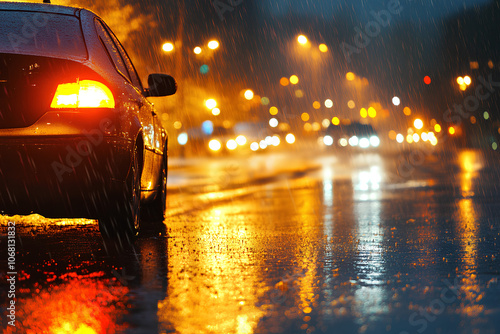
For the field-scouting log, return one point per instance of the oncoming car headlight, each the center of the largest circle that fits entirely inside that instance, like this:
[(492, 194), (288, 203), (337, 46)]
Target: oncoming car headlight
[(214, 145), (374, 141)]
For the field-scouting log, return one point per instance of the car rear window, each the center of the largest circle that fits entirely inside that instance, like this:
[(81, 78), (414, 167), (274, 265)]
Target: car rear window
[(42, 34)]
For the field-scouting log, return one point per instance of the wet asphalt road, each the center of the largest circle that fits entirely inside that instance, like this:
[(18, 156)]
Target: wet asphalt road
[(280, 244)]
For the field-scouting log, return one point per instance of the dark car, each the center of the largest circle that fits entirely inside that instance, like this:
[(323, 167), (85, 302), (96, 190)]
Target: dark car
[(78, 137)]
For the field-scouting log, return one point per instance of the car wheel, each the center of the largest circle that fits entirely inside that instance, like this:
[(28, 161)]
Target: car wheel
[(156, 209), (122, 222)]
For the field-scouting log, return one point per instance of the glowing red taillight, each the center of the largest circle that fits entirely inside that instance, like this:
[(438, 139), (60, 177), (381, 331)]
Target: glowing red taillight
[(83, 94)]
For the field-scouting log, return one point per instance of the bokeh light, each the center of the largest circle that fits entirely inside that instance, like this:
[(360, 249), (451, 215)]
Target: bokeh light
[(211, 103), (168, 47), (273, 122), (204, 69), (214, 145), (213, 44), (182, 139), (372, 113), (231, 144), (241, 140), (302, 39), (248, 94), (418, 124)]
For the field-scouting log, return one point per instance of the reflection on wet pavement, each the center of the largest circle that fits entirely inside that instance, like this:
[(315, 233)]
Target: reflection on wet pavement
[(344, 249)]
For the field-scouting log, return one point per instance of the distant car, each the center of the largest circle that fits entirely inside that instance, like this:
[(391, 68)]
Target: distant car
[(221, 141), (78, 138), (354, 134)]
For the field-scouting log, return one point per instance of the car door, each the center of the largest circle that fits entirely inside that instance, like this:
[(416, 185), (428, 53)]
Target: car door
[(144, 108), (151, 126)]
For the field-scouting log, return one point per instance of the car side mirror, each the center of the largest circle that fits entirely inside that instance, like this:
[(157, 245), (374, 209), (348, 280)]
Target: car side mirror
[(161, 85)]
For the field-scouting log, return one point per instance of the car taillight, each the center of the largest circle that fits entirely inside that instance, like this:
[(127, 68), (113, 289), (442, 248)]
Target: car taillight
[(83, 94)]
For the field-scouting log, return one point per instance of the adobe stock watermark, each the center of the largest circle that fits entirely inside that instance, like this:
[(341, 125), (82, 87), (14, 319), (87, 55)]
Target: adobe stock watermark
[(420, 319), (372, 29), (31, 26), (453, 116), (75, 154), (11, 273), (223, 6)]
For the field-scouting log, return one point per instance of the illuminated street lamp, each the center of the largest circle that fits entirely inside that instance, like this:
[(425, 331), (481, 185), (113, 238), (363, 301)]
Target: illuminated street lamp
[(248, 94), (213, 44), (302, 40), (294, 79), (211, 103), (168, 47), (350, 76), (418, 124)]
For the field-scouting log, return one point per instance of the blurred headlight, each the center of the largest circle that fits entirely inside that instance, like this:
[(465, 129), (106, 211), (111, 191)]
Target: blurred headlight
[(328, 140), (364, 143), (241, 140), (263, 144), (290, 138), (254, 146), (400, 138), (276, 140), (214, 145), (231, 144), (343, 142), (374, 141), (353, 141), (182, 139)]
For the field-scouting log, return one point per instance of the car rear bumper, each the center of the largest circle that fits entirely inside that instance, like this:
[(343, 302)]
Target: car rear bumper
[(62, 176)]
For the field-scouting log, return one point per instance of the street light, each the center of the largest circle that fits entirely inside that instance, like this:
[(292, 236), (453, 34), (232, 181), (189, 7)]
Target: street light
[(418, 124), (302, 40), (248, 94), (197, 50), (168, 47), (213, 44), (210, 104)]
